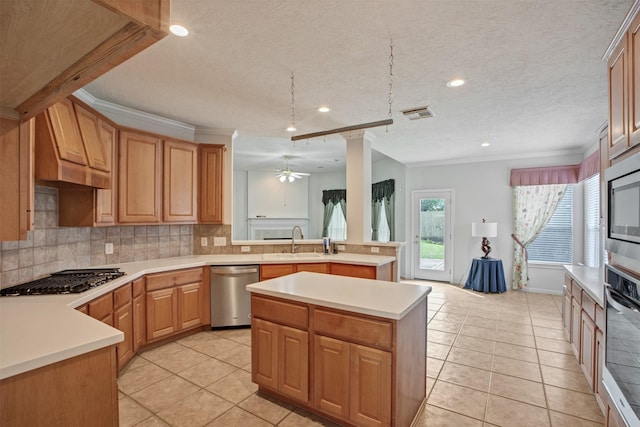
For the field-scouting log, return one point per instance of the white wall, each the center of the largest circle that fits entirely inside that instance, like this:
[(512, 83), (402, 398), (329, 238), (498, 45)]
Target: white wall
[(268, 197), (482, 191)]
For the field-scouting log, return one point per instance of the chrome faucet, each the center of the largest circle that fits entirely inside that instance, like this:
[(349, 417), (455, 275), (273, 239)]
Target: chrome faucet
[(293, 238)]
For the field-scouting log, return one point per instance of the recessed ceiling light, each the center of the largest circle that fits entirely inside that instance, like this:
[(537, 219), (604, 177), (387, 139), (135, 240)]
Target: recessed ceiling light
[(485, 144), (455, 82), (179, 30), (324, 109), (291, 128)]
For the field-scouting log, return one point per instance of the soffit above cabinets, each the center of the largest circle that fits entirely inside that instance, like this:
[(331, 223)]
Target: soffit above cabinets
[(51, 48)]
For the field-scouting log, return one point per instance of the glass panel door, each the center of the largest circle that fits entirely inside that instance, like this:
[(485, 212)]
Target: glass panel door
[(431, 229)]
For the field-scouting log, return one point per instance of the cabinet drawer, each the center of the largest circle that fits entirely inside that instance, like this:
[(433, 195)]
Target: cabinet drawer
[(174, 278), (122, 296), (576, 291), (270, 271), (315, 267), (138, 287), (589, 306), (101, 307), (363, 271), (281, 312), (353, 329)]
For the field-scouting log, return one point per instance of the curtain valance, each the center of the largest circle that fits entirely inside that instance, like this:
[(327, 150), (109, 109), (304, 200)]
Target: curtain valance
[(333, 196), (570, 174), (589, 166), (382, 190)]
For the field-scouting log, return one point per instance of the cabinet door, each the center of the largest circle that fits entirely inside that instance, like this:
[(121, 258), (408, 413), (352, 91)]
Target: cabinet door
[(16, 176), (139, 322), (618, 129), (264, 354), (598, 388), (587, 347), (331, 376), (123, 320), (139, 178), (162, 313), (634, 81), (189, 305), (97, 155), (210, 191), (106, 199), (180, 187), (614, 419), (293, 363), (566, 315), (370, 385), (576, 310), (66, 132), (363, 271)]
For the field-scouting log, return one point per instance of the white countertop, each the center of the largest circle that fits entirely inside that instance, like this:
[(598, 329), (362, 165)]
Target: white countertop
[(390, 300), (36, 331), (590, 279)]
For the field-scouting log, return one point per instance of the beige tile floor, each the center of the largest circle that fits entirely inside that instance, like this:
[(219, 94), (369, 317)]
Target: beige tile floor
[(493, 360)]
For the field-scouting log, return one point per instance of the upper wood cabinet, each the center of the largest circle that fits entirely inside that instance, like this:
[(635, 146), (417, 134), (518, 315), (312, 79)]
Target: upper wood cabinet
[(106, 200), (139, 178), (210, 193), (69, 148), (16, 176), (624, 92), (180, 181), (59, 47)]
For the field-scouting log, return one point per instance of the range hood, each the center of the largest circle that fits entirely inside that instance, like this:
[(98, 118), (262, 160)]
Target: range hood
[(69, 147)]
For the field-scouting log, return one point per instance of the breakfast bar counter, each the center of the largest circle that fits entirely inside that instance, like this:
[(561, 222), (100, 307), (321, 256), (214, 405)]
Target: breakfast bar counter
[(352, 350)]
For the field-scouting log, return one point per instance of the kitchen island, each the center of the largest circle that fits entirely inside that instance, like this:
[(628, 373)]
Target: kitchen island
[(352, 350)]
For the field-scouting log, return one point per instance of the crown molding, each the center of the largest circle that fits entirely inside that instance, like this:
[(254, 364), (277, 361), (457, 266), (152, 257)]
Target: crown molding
[(635, 7), (131, 117), (496, 158)]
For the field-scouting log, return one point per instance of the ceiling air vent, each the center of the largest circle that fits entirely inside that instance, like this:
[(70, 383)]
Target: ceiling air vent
[(418, 113)]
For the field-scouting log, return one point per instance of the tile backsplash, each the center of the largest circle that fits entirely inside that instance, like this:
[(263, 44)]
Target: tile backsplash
[(50, 248)]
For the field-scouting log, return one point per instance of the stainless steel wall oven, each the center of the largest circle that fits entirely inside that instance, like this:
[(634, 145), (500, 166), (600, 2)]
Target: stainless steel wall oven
[(621, 371)]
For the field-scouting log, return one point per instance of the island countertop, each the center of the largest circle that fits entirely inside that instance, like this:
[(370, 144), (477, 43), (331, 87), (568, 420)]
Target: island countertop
[(389, 300)]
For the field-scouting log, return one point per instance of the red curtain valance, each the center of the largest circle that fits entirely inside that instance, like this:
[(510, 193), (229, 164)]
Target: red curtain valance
[(570, 174)]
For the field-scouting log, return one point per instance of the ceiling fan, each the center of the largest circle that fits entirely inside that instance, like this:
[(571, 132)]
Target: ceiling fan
[(287, 174)]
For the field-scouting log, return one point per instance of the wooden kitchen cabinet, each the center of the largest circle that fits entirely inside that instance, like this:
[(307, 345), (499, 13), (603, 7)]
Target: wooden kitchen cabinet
[(331, 375), (16, 176), (89, 125), (102, 308), (370, 386), (175, 302), (139, 178), (139, 314), (383, 272), (587, 347), (566, 311), (282, 360), (271, 271), (316, 267), (210, 173), (618, 103), (598, 387), (180, 182), (633, 61), (576, 312), (123, 320)]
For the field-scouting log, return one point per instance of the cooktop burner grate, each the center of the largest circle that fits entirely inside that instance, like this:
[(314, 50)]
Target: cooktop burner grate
[(65, 282)]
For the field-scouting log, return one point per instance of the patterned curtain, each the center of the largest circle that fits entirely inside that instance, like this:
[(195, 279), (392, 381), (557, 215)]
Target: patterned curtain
[(533, 207), (382, 196), (331, 199)]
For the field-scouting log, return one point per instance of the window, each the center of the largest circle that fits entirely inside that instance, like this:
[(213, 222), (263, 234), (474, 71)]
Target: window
[(592, 221), (384, 234), (337, 229), (555, 242)]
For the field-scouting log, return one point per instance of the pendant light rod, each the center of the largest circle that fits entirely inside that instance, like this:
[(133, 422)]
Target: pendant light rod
[(344, 129)]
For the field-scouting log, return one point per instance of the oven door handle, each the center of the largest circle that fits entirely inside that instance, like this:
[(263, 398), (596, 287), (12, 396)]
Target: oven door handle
[(613, 298)]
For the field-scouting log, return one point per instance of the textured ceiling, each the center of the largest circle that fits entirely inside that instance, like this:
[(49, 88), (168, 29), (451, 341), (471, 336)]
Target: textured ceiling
[(535, 79)]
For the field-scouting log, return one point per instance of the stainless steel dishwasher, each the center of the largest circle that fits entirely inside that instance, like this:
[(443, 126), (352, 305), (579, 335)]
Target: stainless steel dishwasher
[(230, 301)]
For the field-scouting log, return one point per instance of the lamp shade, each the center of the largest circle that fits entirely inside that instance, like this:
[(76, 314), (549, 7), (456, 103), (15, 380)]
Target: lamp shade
[(484, 229)]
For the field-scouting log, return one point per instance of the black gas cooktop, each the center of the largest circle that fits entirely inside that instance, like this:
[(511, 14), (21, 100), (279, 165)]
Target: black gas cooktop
[(65, 282)]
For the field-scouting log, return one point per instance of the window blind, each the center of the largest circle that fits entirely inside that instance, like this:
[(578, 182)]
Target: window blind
[(555, 242), (592, 221)]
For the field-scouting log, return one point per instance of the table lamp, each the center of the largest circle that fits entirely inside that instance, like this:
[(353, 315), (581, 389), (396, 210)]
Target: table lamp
[(484, 229)]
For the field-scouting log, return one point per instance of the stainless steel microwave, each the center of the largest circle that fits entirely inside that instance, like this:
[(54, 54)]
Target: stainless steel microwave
[(623, 223)]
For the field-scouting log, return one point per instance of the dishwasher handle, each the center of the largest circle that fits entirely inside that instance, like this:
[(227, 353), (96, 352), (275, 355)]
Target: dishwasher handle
[(233, 271)]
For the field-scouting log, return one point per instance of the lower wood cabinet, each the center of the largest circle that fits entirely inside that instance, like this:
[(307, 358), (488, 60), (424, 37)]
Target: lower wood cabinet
[(123, 320), (576, 311), (282, 359), (175, 301), (352, 381), (587, 347), (102, 309), (383, 272), (138, 306)]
